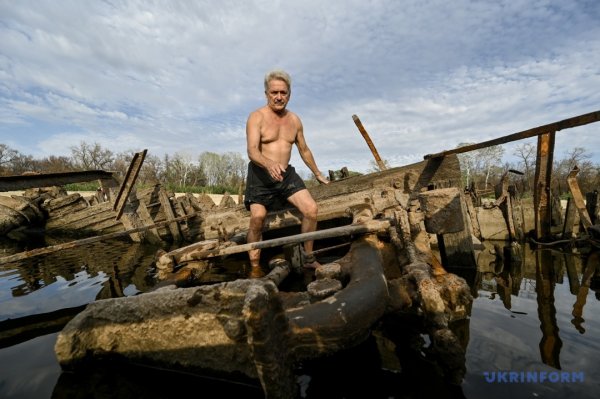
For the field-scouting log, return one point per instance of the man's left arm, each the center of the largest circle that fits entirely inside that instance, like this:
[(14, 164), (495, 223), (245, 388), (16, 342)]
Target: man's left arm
[(307, 156)]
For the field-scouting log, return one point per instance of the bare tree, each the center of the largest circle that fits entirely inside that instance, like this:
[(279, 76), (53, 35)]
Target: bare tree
[(55, 164), (488, 159), (7, 157), (526, 153), (467, 163), (92, 156), (24, 163)]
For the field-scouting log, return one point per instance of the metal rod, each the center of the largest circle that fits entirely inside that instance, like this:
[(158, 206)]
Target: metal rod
[(359, 228), (536, 131)]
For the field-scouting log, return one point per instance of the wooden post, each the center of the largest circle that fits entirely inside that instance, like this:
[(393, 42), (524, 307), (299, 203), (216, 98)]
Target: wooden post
[(129, 182), (578, 198), (543, 177), (369, 142), (169, 214), (570, 213)]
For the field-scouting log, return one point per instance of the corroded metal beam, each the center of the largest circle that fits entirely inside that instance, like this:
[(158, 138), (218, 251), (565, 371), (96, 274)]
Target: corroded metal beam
[(536, 131), (23, 182)]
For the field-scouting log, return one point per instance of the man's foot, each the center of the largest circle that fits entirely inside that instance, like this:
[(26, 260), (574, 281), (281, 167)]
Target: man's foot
[(256, 272), (310, 261), (311, 265)]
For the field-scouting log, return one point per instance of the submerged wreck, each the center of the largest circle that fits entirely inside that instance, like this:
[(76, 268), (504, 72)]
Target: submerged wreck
[(404, 229), (249, 328)]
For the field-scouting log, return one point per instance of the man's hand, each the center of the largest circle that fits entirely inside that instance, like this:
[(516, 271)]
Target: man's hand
[(321, 179), (276, 170)]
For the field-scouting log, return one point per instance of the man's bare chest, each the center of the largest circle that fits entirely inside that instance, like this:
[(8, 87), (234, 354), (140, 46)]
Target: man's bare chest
[(285, 132)]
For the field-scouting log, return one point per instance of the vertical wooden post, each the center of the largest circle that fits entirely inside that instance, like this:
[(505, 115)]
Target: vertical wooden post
[(169, 214), (570, 213), (365, 135), (584, 216), (543, 176)]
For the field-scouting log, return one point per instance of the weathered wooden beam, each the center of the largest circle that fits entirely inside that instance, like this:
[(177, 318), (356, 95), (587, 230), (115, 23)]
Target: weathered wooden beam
[(536, 131), (169, 214), (578, 198), (569, 223), (129, 182), (23, 182), (367, 138), (543, 177), (84, 241)]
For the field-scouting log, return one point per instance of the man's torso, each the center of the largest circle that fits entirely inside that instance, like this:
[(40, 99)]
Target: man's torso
[(278, 135)]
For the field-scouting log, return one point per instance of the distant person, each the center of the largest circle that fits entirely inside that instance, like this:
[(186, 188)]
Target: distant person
[(271, 131)]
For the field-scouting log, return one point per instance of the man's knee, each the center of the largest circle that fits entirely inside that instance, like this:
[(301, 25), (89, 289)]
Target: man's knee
[(310, 210), (257, 220)]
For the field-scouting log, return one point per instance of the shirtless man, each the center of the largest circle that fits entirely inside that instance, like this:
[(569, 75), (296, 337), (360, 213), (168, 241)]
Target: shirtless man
[(271, 131)]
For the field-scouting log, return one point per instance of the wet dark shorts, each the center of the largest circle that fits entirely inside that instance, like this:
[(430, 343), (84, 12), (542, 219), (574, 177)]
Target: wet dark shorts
[(262, 189)]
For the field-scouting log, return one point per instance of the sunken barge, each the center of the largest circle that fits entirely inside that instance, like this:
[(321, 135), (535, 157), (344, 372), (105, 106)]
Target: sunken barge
[(391, 221)]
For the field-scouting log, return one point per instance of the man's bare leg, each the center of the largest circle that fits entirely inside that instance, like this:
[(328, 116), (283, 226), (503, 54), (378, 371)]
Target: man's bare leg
[(309, 208), (257, 218)]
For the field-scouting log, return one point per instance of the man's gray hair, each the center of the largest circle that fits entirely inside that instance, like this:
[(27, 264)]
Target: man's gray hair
[(279, 75)]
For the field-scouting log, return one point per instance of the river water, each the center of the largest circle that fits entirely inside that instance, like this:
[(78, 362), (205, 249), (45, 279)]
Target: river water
[(533, 332)]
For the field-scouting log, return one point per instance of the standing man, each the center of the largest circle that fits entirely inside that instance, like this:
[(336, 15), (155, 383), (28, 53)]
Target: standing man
[(271, 131)]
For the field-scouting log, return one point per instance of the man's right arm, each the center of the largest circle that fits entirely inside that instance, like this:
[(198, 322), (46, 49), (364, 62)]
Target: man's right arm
[(253, 126)]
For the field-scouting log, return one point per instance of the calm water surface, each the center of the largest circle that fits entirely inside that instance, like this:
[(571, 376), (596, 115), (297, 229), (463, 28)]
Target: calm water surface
[(537, 317)]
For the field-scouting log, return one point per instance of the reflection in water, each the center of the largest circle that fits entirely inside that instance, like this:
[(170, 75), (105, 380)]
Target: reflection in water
[(513, 271), (41, 294), (545, 281), (591, 272)]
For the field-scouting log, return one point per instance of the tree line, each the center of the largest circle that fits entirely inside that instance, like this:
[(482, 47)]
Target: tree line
[(208, 172), (484, 168), (217, 173)]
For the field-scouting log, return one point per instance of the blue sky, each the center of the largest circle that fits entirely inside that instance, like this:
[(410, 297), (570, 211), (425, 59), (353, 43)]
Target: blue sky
[(182, 76)]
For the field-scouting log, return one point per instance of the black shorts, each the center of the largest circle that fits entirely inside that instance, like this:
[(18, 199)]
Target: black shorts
[(262, 189)]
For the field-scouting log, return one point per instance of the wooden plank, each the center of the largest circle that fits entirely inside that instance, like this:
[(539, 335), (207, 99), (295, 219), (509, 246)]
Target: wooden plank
[(570, 212), (129, 182), (543, 177), (82, 217), (170, 216), (152, 233), (23, 182), (456, 249), (578, 199), (536, 131)]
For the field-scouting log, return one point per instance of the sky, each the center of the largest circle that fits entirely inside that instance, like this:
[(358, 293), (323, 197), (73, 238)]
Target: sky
[(183, 76)]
